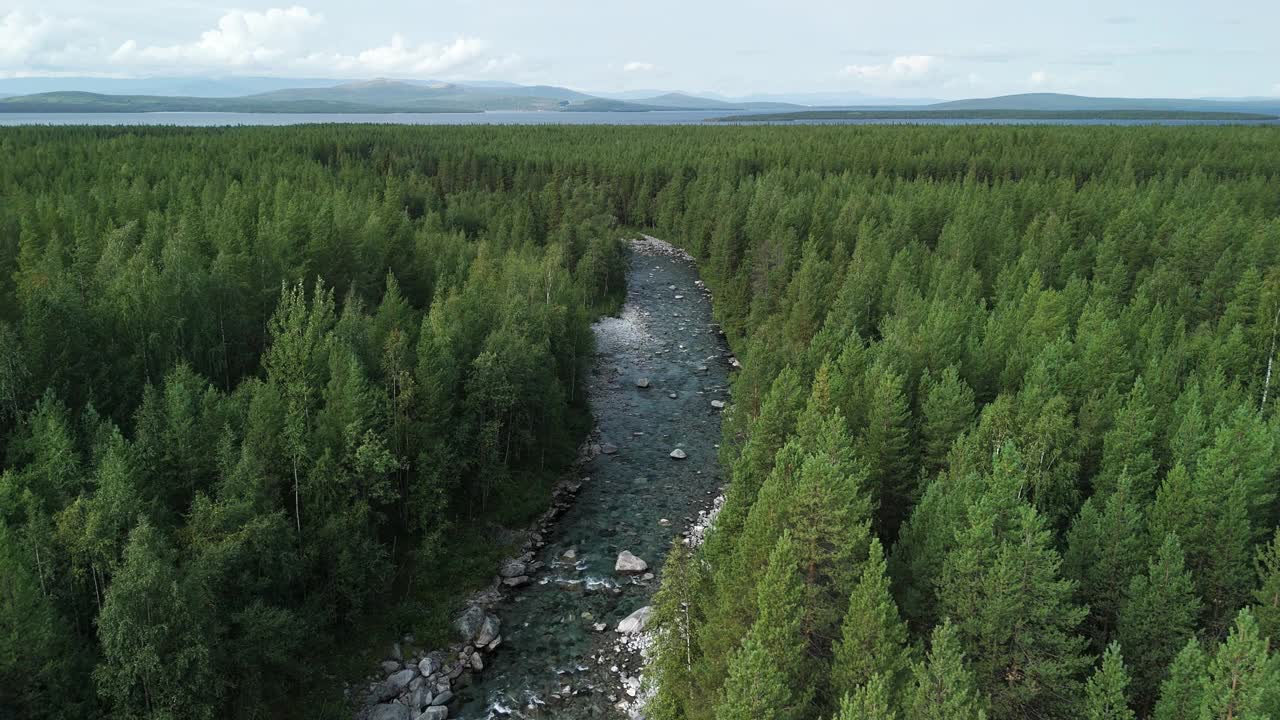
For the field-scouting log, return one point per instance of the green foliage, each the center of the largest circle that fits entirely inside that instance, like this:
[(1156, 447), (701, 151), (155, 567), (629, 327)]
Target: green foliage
[(1158, 617), (1106, 692), (1183, 691), (943, 687), (873, 638)]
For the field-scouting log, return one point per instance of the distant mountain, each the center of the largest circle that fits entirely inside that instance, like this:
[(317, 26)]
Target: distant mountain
[(83, 102), (179, 86), (1062, 102)]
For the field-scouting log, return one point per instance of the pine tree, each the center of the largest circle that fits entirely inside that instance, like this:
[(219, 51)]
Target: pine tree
[(948, 411), (1238, 675), (870, 701), (1128, 447), (886, 446), (1105, 548), (767, 674), (1105, 692), (1013, 612), (1158, 617), (674, 625), (873, 637), (1267, 596), (943, 687), (1183, 690)]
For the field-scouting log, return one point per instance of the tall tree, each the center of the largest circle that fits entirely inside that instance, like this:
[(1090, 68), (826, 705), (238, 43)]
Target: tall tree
[(1106, 691), (943, 687), (873, 638)]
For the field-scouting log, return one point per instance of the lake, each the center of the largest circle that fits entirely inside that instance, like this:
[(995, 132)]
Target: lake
[(666, 117)]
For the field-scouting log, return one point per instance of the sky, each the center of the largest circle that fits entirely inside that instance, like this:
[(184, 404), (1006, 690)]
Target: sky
[(905, 48)]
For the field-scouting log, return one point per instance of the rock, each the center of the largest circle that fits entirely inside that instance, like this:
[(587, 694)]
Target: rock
[(679, 454), (494, 645), (489, 630), (673, 396), (420, 699), (608, 448), (636, 621), (629, 563), (389, 666), (511, 568), (515, 582), (599, 627), (396, 653), (429, 666), (389, 711), (571, 554), (642, 382), (477, 662), (664, 522), (442, 698), (434, 713), (717, 404), (469, 622), (400, 681)]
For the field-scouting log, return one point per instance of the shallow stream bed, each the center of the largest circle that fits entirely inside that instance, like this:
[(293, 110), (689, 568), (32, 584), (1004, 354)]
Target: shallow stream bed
[(554, 660)]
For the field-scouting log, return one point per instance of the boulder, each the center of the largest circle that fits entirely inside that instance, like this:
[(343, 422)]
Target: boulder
[(400, 681), (469, 622), (629, 563), (429, 666), (477, 662), (442, 698), (642, 382), (511, 568), (636, 621), (489, 630), (679, 454), (389, 666), (389, 711), (434, 713), (515, 582), (717, 404), (420, 699), (608, 448)]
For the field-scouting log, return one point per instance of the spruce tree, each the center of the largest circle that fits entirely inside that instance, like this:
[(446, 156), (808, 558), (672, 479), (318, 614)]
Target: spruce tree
[(1239, 675), (1105, 549), (873, 638), (948, 410), (1105, 693), (943, 687), (885, 445)]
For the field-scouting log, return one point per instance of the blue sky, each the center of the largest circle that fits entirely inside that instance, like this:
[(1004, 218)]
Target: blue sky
[(911, 48)]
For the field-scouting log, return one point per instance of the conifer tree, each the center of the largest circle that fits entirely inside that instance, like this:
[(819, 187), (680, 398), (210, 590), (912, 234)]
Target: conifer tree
[(948, 410), (1239, 675), (1267, 597), (1105, 693), (767, 674), (943, 687), (1105, 549), (1158, 617), (1014, 614), (885, 445), (1128, 447), (1183, 689), (870, 701), (873, 638), (674, 628)]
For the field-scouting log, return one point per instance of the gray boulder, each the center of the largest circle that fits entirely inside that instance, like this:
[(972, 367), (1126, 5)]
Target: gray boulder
[(489, 630), (469, 622), (511, 568), (399, 682), (636, 621), (428, 666), (629, 563), (642, 382), (679, 454), (389, 666), (420, 699), (442, 698), (389, 711), (434, 713)]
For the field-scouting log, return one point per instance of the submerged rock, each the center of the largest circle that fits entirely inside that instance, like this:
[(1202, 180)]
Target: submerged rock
[(629, 563), (642, 382), (679, 454)]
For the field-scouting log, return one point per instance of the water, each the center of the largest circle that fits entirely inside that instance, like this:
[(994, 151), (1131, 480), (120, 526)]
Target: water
[(665, 117), (548, 639)]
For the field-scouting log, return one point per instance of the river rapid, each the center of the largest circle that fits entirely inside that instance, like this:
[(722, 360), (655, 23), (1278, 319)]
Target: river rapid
[(560, 654)]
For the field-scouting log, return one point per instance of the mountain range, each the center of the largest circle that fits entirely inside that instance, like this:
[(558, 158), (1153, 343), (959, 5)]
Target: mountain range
[(281, 95)]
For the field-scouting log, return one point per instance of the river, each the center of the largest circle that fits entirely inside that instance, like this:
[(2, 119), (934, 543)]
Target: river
[(553, 662)]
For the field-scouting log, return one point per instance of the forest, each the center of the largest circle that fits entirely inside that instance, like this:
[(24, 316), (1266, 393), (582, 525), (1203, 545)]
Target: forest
[(1003, 444)]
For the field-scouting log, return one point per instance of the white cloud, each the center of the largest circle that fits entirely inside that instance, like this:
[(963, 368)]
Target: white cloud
[(30, 43), (902, 69), (637, 66), (273, 41), (1039, 78), (242, 38)]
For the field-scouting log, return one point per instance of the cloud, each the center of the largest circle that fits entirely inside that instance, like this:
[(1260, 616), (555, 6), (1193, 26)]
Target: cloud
[(637, 66), (242, 38), (273, 41), (399, 57), (902, 69), (34, 43), (1038, 78)]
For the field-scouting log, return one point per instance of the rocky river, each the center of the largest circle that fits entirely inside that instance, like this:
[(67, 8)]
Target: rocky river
[(560, 633)]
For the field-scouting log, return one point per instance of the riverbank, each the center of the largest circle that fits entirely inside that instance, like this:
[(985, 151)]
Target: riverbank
[(550, 637)]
